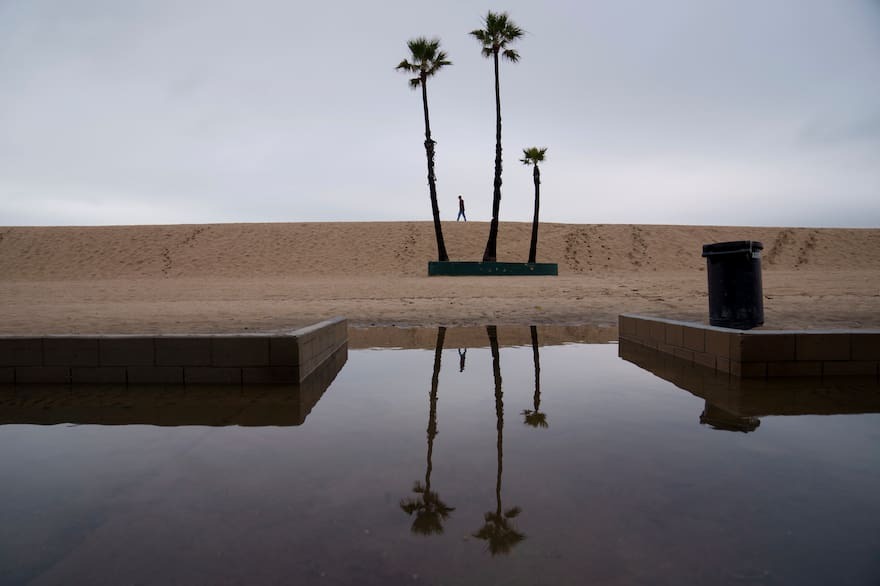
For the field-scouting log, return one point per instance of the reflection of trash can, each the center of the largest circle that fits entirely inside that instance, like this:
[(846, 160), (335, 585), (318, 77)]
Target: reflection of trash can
[(736, 298)]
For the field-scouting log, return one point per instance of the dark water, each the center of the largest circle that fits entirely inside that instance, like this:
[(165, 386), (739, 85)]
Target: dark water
[(397, 477)]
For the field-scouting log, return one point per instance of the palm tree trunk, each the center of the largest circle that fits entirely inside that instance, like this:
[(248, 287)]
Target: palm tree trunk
[(533, 246), (491, 245), (429, 152)]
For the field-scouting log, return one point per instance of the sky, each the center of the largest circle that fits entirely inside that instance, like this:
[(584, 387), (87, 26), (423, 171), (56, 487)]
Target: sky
[(716, 112)]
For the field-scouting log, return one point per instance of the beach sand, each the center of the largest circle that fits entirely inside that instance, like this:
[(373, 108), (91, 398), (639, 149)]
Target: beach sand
[(271, 277)]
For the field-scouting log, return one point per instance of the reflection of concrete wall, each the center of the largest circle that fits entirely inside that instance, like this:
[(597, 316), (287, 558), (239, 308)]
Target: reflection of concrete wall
[(759, 397), (199, 359), (260, 405), (475, 336), (759, 353)]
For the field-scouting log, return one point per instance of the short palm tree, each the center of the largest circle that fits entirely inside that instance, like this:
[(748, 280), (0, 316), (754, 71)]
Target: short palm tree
[(430, 512), (427, 59), (533, 156), (500, 31)]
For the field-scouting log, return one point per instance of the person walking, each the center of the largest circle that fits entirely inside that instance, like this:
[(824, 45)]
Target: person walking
[(461, 210)]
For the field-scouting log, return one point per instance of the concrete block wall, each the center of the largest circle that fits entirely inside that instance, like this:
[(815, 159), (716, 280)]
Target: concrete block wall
[(759, 353), (181, 359), (116, 404)]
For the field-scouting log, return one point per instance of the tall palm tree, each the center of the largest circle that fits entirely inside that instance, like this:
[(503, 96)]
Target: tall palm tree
[(534, 417), (533, 156), (500, 31), (429, 510), (427, 59), (498, 529)]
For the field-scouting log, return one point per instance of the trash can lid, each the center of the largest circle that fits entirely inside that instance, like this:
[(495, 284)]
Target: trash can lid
[(732, 247)]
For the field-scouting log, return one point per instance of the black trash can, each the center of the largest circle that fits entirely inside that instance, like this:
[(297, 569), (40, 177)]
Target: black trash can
[(736, 298)]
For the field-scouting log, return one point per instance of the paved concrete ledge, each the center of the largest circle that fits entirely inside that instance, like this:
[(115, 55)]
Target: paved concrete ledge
[(261, 405), (288, 357), (759, 353)]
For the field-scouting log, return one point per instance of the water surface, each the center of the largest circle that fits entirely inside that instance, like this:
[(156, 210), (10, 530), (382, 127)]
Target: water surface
[(419, 467)]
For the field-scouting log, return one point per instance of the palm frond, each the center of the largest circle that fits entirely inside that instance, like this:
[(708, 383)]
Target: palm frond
[(426, 57), (429, 511), (533, 155), (415, 82), (499, 31), (500, 535), (535, 419), (480, 35), (511, 31)]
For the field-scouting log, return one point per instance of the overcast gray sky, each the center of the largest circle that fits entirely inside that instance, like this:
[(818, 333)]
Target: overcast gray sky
[(744, 112)]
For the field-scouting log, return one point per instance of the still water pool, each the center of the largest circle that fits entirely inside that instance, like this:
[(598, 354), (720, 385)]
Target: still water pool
[(463, 466)]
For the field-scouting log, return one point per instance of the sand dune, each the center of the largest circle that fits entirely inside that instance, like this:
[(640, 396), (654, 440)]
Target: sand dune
[(231, 277), (398, 248)]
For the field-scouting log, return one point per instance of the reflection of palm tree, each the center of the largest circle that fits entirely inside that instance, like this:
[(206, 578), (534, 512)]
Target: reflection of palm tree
[(429, 510), (498, 529), (534, 417), (462, 355)]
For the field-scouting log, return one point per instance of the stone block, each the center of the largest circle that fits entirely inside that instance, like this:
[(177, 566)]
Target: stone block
[(98, 375), (21, 352), (666, 348), (752, 369), (271, 375), (735, 368), (657, 331), (684, 354), (767, 347), (152, 375), (284, 351), (212, 375), (240, 351), (626, 325), (719, 343), (794, 368), (722, 364), (183, 351), (42, 374), (823, 347), (865, 346), (850, 368), (694, 338), (70, 352), (675, 335), (706, 359), (642, 330), (736, 344), (123, 351)]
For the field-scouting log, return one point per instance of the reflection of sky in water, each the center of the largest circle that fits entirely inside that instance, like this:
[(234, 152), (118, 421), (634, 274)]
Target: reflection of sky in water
[(624, 486)]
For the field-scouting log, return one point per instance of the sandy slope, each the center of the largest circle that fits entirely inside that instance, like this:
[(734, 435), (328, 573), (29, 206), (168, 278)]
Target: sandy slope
[(232, 277)]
